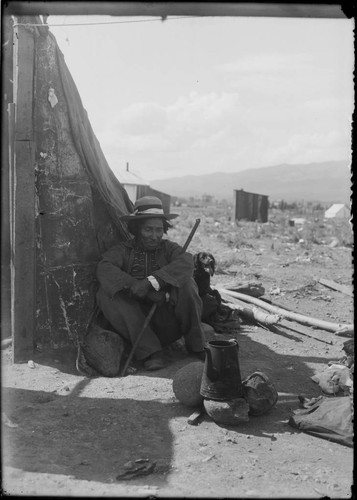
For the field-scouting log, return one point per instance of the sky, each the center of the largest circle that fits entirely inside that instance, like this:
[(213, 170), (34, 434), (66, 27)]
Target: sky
[(194, 96)]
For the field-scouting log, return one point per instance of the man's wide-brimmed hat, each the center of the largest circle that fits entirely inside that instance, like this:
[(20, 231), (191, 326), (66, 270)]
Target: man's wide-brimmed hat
[(148, 207)]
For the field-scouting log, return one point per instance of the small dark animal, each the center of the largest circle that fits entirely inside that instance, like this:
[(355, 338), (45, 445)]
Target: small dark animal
[(204, 269)]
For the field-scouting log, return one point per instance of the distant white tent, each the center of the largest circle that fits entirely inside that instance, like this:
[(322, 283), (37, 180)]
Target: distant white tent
[(131, 183), (337, 211)]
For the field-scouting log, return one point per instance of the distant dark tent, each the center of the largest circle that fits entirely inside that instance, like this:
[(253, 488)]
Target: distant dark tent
[(78, 200)]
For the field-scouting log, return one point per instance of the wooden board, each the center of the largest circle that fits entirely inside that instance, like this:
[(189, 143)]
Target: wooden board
[(23, 202), (23, 82), (336, 286), (164, 9), (23, 255), (195, 417), (6, 129), (304, 331)]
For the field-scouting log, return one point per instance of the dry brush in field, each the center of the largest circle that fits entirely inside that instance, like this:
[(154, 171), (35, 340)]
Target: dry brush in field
[(234, 239)]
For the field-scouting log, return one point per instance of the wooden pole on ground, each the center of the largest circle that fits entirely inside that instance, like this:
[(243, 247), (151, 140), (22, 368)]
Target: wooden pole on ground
[(299, 318), (267, 320)]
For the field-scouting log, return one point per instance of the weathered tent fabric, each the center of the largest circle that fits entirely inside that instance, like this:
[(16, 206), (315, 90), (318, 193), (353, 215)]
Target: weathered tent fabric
[(78, 202), (88, 148)]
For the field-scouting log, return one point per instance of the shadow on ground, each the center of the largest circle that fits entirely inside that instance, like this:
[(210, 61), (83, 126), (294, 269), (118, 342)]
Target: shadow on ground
[(87, 438), (92, 438)]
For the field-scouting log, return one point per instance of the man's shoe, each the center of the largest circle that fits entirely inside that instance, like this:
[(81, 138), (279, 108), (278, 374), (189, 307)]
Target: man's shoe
[(154, 362)]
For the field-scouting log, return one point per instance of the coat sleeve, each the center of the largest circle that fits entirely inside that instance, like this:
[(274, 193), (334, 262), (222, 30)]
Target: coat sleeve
[(179, 267), (110, 272)]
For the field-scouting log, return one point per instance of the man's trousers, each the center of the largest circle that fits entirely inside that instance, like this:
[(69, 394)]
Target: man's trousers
[(180, 317)]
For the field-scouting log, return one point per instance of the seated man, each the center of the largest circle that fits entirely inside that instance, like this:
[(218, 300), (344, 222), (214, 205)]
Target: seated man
[(147, 269)]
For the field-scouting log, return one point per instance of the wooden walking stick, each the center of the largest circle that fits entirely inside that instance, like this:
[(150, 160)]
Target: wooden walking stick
[(153, 308)]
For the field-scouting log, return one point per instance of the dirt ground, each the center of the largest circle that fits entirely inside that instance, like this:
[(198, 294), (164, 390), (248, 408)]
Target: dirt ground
[(70, 435)]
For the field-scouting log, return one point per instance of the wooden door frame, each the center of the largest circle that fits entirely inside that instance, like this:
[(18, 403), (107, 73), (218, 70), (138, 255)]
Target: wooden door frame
[(22, 197)]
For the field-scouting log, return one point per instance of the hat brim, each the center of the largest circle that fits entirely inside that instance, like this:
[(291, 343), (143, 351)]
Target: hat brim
[(133, 217)]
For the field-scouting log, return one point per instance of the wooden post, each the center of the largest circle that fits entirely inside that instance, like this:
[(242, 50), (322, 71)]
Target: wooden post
[(6, 98), (22, 208)]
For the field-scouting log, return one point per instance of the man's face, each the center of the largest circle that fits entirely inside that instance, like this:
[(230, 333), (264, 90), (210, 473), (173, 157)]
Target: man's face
[(151, 232)]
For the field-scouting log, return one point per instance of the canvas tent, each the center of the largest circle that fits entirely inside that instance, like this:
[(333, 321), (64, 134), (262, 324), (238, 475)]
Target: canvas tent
[(131, 182), (63, 202), (337, 211)]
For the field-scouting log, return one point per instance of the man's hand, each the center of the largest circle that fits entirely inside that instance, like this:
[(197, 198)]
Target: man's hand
[(140, 288), (157, 297)]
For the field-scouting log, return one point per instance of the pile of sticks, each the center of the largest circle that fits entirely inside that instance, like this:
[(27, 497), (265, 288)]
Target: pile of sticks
[(271, 316)]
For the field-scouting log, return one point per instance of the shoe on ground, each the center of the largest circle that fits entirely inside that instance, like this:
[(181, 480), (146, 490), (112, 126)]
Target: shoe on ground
[(154, 362)]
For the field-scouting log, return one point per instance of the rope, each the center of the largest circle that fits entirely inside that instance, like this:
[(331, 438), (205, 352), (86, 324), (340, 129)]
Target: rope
[(105, 23)]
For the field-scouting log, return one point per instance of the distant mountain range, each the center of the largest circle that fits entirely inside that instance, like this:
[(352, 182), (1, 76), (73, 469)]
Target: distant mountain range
[(328, 181)]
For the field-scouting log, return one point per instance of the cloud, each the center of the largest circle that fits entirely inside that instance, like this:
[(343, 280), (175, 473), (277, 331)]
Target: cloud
[(185, 124), (141, 119), (306, 148), (271, 63), (293, 77), (214, 131)]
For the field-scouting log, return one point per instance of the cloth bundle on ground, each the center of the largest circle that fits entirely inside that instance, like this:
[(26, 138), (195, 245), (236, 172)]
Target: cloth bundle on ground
[(102, 351), (328, 418), (259, 392), (223, 319), (349, 358), (334, 378)]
